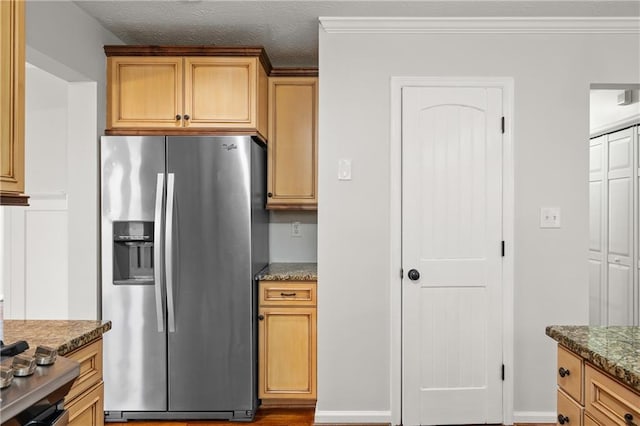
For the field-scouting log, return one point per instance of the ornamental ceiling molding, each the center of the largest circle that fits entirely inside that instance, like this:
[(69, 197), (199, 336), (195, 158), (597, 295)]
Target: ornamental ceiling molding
[(481, 25)]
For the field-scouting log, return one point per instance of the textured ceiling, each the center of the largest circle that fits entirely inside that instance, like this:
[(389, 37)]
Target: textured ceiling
[(289, 29)]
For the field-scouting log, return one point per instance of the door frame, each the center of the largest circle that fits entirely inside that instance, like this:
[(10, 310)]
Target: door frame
[(395, 235)]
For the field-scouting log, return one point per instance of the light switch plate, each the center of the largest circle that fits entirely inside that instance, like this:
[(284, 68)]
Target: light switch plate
[(344, 169), (549, 217)]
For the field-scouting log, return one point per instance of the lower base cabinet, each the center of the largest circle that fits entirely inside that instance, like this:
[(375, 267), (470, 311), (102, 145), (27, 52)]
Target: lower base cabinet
[(589, 397), (287, 348), (85, 400), (88, 410)]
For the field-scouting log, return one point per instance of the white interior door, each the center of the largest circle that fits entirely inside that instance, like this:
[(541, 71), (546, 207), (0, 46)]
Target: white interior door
[(620, 229), (597, 216), (451, 236)]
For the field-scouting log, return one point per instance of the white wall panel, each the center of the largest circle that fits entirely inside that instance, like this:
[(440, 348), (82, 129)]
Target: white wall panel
[(46, 271)]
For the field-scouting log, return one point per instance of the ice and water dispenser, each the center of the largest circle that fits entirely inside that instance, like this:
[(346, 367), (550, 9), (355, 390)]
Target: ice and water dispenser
[(132, 253)]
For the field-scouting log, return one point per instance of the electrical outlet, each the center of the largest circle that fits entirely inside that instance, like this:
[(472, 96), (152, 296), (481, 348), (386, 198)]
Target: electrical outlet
[(296, 230)]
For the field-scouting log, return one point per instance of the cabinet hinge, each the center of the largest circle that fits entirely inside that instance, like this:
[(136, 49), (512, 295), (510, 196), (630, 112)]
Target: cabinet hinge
[(503, 372), (502, 248), (502, 124), (401, 272)]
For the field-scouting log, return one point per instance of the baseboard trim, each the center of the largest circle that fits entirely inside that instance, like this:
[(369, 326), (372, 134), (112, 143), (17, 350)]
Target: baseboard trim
[(352, 417), (534, 417)]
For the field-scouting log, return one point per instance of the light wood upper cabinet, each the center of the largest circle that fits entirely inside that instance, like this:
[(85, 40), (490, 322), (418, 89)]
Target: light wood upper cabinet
[(224, 92), (144, 92), (170, 89), (293, 143), (12, 64)]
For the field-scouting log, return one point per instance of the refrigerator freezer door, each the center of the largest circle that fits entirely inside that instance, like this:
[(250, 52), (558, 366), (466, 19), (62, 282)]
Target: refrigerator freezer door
[(211, 364), (134, 350)]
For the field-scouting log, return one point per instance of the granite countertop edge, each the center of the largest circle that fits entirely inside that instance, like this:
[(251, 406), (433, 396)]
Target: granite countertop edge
[(610, 366), (64, 335), (289, 271), (84, 339)]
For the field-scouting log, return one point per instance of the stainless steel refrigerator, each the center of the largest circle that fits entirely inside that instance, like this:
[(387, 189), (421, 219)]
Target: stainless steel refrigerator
[(184, 231)]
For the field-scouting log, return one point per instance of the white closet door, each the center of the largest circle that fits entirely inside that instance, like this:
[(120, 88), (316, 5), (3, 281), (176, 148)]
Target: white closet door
[(597, 215), (636, 278), (620, 239)]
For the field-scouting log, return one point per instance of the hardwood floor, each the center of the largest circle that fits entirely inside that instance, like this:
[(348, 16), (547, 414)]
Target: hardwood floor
[(266, 417)]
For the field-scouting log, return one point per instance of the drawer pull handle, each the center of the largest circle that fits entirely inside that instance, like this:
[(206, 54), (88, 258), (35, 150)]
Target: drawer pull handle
[(628, 418), (562, 419), (563, 372), (287, 294)]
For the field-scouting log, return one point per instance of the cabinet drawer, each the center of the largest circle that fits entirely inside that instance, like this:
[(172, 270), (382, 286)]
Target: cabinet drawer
[(90, 359), (609, 402), (288, 293), (570, 374), (569, 412), (588, 421), (89, 409)]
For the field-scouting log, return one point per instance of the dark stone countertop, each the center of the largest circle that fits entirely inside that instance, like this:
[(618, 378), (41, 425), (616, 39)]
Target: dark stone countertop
[(289, 272), (63, 335), (615, 349)]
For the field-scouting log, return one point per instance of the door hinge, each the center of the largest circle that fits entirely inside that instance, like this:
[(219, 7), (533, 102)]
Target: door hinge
[(502, 372), (502, 124), (502, 248)]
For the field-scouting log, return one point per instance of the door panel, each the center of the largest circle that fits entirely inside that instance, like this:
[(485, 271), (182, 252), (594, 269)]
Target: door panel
[(134, 350), (452, 221), (220, 90), (146, 92), (620, 295), (211, 349)]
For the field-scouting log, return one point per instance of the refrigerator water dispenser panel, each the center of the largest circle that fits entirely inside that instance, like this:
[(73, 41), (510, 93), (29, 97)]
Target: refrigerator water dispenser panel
[(133, 253)]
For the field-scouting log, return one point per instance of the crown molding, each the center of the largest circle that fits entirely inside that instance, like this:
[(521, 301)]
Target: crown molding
[(481, 25)]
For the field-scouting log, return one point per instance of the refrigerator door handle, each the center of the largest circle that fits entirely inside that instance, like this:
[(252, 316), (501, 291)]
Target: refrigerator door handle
[(157, 252), (169, 252)]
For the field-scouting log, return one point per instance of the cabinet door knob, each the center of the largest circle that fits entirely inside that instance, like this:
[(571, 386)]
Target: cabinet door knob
[(178, 117), (563, 372), (186, 116), (562, 419), (628, 417), (260, 317), (269, 194)]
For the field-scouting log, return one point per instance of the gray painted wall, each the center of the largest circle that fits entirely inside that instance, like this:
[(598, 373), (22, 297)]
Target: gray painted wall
[(552, 75)]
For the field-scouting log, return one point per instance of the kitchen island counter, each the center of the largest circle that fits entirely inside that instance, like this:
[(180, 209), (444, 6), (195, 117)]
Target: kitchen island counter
[(289, 272), (64, 335), (615, 349)]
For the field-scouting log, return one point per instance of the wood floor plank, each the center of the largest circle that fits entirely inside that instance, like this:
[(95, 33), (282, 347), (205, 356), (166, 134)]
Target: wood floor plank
[(264, 417)]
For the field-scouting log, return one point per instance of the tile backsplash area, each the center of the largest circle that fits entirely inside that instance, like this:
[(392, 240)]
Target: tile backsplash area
[(293, 236)]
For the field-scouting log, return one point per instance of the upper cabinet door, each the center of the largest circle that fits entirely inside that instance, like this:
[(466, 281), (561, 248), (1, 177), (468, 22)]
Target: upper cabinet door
[(292, 148), (12, 102), (222, 91), (145, 92)]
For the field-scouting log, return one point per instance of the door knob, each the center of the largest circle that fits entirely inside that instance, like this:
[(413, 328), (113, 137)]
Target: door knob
[(413, 275)]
